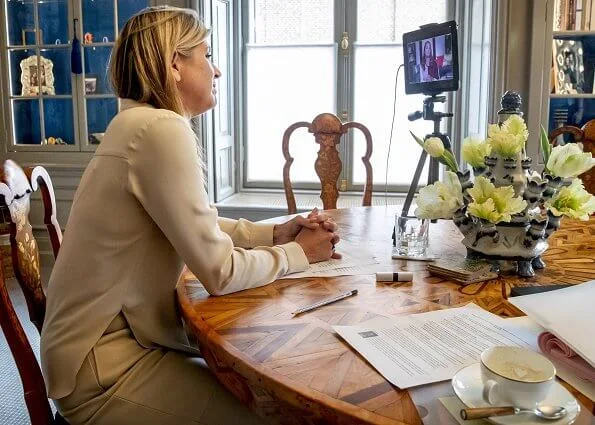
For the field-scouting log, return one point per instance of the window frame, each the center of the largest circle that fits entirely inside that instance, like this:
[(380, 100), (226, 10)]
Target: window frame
[(345, 19)]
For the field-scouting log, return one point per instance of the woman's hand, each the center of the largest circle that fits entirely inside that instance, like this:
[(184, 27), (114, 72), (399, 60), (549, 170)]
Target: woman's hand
[(317, 244), (329, 224), (288, 231)]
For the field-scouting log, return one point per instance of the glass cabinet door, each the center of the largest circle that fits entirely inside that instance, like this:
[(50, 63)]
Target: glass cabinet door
[(41, 100), (102, 21), (49, 107)]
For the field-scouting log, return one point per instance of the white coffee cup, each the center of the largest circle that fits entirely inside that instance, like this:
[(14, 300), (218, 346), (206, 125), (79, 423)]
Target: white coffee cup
[(515, 376)]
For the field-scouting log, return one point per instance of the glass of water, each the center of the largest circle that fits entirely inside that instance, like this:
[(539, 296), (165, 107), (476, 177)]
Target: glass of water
[(411, 235)]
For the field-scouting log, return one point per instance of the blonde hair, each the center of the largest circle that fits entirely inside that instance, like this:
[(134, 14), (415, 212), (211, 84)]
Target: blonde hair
[(141, 60)]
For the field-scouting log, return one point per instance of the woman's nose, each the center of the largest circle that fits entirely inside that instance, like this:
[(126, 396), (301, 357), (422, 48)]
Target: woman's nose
[(217, 72)]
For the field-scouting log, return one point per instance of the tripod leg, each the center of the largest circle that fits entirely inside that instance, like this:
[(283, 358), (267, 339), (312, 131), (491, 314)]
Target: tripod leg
[(434, 171), (414, 183)]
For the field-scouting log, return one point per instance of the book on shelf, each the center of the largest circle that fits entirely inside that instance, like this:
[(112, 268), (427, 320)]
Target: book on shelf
[(586, 17), (578, 16), (574, 15), (570, 14), (560, 15)]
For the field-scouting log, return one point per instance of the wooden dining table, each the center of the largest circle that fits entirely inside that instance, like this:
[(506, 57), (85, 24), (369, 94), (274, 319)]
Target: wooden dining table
[(297, 370)]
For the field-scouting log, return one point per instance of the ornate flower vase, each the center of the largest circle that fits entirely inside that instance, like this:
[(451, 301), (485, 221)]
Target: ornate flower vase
[(523, 240), (509, 171), (523, 243), (507, 212)]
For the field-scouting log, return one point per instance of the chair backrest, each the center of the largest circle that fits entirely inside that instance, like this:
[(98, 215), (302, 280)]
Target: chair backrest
[(327, 130), (35, 394), (16, 186), (586, 136)]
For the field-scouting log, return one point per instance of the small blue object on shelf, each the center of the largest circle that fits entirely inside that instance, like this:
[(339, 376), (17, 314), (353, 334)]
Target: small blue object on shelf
[(75, 57)]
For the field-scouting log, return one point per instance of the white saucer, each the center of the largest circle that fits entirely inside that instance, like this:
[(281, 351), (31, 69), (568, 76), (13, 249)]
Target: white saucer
[(468, 387)]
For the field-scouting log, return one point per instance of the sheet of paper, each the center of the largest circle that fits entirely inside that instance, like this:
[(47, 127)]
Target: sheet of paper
[(354, 262), (567, 313), (428, 347)]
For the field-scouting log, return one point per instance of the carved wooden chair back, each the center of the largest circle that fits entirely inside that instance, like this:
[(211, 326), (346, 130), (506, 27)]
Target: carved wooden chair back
[(16, 186), (327, 130), (586, 136), (36, 398)]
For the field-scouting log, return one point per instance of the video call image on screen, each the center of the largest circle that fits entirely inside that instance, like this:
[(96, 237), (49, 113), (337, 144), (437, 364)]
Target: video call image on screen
[(430, 59)]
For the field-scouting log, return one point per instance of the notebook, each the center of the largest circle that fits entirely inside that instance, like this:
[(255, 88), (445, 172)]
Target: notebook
[(462, 270)]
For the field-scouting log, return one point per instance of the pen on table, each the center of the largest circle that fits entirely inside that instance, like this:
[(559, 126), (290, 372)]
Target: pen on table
[(394, 277), (325, 302)]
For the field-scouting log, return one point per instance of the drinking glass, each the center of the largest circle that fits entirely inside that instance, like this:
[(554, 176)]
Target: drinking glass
[(411, 235)]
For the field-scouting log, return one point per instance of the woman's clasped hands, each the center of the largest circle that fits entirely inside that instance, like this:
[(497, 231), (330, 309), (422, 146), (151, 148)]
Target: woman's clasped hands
[(316, 234)]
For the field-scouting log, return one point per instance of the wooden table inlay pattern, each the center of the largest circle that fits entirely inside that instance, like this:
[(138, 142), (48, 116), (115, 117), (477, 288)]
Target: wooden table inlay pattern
[(296, 370)]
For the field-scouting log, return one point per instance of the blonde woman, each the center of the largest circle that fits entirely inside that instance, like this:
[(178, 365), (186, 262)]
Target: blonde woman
[(113, 348)]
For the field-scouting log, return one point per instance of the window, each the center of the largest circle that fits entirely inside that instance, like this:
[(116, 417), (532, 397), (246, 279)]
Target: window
[(295, 70), (285, 65), (378, 52), (290, 67)]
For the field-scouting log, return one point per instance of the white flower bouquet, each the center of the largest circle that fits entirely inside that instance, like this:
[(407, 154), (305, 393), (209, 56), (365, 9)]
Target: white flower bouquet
[(507, 212)]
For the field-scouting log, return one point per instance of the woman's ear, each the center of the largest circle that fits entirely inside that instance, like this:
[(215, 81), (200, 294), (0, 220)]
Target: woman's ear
[(176, 68)]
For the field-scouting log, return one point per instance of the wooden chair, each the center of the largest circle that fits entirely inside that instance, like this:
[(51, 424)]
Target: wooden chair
[(586, 136), (16, 187), (327, 130)]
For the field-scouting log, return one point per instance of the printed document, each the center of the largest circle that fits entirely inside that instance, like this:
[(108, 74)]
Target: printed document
[(355, 261), (428, 347)]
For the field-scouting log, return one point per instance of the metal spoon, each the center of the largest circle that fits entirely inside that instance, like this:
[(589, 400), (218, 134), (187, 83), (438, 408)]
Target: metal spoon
[(545, 412)]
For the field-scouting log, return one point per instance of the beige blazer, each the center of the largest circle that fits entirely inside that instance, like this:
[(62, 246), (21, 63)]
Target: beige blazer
[(140, 213)]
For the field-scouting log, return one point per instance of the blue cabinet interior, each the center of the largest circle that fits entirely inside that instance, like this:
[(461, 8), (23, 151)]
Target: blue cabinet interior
[(53, 21), (26, 121), (96, 60), (128, 8), (58, 119), (20, 17), (60, 57), (97, 19), (99, 114), (16, 56)]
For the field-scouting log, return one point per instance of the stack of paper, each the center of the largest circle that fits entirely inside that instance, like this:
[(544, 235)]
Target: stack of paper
[(567, 313)]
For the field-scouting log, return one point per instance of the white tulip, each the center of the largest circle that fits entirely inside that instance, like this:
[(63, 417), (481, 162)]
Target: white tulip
[(434, 147), (440, 200), (569, 161)]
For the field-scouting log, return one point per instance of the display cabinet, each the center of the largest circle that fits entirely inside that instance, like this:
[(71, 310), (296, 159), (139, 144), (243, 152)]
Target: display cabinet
[(571, 47), (47, 107)]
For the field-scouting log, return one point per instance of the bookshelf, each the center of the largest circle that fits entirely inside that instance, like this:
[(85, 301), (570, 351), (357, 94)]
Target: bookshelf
[(572, 76)]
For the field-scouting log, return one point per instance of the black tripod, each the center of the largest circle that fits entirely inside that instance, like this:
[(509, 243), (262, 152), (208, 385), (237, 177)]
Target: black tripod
[(433, 173)]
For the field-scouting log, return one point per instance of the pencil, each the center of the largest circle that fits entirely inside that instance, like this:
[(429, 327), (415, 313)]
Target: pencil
[(325, 302)]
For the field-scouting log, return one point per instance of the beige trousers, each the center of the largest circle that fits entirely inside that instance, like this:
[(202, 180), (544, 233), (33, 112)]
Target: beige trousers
[(121, 382)]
